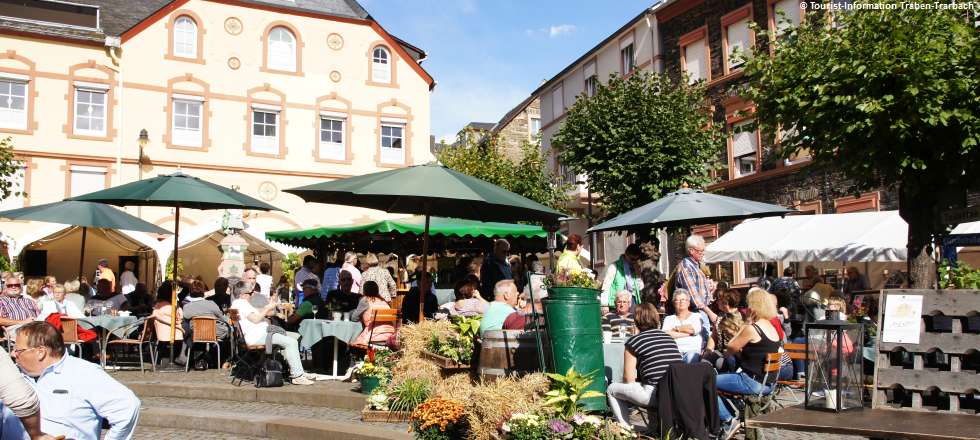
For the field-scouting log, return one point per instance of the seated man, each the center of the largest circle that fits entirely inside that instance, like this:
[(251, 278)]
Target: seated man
[(620, 320), (648, 354), (58, 304), (197, 305), (76, 396), (257, 331), (410, 305), (311, 298), (504, 302), (16, 309), (343, 296)]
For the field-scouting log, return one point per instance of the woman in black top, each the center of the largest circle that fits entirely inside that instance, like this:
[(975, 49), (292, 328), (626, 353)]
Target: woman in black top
[(646, 359), (757, 339)]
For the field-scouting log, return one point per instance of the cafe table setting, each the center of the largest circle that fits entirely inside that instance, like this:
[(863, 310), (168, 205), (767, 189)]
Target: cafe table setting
[(339, 327), (117, 323)]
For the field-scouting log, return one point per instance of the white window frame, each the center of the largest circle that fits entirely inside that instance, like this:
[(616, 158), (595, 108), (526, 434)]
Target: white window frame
[(263, 143), (92, 90), (591, 78), (381, 65), (185, 37), (18, 181), (627, 55), (185, 135), (753, 138), (10, 117), (83, 170), (392, 154), (534, 125), (281, 52), (330, 149), (785, 5)]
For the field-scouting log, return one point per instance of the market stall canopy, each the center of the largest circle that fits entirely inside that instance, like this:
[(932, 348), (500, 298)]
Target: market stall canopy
[(211, 233), (688, 207), (84, 214), (441, 226), (863, 236)]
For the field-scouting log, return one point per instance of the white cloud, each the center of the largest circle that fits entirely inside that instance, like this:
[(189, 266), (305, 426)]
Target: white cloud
[(555, 31)]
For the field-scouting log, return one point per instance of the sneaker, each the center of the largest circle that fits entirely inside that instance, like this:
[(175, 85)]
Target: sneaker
[(314, 376), (301, 380), (729, 429)]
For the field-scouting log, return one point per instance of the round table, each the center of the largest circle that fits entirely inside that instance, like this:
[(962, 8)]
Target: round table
[(314, 330), (106, 326)]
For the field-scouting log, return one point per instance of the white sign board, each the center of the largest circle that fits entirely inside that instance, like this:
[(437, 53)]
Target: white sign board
[(903, 314)]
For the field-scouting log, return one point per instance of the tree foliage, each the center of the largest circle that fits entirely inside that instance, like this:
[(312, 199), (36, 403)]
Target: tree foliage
[(639, 138), (887, 97), (8, 169), (481, 157)]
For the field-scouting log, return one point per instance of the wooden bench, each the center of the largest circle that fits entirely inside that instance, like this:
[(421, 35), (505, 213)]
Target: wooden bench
[(881, 423)]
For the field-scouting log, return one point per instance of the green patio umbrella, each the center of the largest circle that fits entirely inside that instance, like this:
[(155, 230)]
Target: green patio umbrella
[(688, 207), (83, 214), (427, 190), (441, 226), (177, 190)]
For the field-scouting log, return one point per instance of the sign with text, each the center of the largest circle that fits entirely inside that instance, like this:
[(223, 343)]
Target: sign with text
[(903, 314)]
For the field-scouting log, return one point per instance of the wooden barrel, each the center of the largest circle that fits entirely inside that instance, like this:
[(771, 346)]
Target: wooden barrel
[(506, 352)]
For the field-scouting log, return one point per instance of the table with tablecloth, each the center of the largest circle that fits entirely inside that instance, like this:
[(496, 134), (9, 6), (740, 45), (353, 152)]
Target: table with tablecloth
[(445, 296), (315, 330), (107, 326), (612, 354)]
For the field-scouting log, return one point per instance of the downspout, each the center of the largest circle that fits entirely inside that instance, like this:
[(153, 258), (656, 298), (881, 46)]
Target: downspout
[(658, 59), (114, 50)]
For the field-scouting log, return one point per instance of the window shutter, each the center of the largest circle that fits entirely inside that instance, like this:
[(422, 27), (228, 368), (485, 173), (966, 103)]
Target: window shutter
[(695, 60), (744, 142), (738, 40)]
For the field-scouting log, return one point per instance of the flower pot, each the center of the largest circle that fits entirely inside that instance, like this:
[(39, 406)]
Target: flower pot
[(368, 384), (572, 293)]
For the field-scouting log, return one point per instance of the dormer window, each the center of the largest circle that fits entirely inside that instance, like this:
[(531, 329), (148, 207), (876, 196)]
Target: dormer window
[(282, 50), (185, 37), (381, 65)]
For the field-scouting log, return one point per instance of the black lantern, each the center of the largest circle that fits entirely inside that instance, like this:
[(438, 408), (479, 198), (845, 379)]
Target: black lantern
[(834, 371)]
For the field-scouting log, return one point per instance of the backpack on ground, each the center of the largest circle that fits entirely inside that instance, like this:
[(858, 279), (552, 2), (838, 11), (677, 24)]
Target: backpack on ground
[(269, 374)]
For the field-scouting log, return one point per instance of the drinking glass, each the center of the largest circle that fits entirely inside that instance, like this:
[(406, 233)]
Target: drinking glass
[(315, 309)]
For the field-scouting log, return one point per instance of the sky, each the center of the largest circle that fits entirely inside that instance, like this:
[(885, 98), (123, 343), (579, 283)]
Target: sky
[(489, 55)]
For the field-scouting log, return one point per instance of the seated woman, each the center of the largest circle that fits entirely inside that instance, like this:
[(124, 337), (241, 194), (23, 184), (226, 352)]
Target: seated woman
[(257, 331), (468, 299), (757, 339), (364, 312), (685, 327), (647, 356), (139, 301), (58, 304)]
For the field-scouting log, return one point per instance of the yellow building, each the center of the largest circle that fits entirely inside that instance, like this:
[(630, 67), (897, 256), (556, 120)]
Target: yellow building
[(256, 95)]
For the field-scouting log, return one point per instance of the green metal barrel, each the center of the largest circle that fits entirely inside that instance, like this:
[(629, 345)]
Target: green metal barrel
[(575, 331)]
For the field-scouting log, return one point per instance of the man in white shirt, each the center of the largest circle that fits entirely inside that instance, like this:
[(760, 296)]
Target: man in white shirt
[(58, 304), (255, 328), (75, 395), (264, 279), (127, 280)]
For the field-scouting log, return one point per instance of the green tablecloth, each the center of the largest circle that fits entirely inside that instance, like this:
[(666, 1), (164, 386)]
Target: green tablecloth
[(613, 357), (445, 296), (313, 330), (113, 324)]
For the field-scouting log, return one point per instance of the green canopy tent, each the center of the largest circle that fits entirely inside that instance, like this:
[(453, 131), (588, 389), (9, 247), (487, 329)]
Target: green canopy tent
[(83, 214), (177, 190), (389, 235)]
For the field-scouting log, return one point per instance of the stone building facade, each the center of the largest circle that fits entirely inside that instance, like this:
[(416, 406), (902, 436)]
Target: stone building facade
[(521, 124), (700, 39)]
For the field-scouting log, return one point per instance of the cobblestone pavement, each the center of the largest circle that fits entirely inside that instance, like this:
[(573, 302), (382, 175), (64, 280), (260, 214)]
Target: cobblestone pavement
[(147, 433)]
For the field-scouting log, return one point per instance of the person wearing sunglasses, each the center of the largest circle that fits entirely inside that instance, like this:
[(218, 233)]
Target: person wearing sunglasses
[(16, 309)]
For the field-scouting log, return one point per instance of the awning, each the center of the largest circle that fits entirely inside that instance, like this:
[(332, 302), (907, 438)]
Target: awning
[(438, 226), (864, 236), (211, 233)]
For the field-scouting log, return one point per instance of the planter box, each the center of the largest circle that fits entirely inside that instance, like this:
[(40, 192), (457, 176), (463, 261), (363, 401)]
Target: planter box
[(370, 415), (444, 362)]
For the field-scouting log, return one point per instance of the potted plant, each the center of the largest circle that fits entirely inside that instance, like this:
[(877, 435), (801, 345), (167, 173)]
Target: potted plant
[(395, 403), (439, 419), (376, 370), (454, 352), (572, 284)]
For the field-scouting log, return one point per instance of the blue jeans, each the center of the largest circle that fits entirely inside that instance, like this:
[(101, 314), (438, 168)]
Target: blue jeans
[(799, 366), (290, 351), (691, 357), (737, 383)]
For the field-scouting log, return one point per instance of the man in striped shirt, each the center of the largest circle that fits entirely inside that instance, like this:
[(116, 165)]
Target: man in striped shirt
[(15, 308), (648, 354)]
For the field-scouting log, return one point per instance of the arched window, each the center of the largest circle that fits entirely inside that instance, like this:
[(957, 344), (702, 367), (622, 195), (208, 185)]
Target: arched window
[(380, 65), (282, 50), (185, 37)]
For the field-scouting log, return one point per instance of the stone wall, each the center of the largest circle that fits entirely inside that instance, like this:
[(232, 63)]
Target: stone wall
[(516, 131)]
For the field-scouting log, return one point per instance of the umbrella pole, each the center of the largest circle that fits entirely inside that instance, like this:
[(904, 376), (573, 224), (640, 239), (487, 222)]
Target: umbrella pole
[(173, 288), (81, 258), (423, 287)]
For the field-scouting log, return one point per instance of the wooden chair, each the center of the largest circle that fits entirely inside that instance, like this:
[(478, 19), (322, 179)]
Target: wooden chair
[(396, 302), (247, 358), (204, 330), (69, 332), (145, 337), (796, 352), (760, 402), (391, 317)]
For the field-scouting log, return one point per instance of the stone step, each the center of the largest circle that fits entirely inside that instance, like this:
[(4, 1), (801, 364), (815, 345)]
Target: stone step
[(327, 394), (262, 426)]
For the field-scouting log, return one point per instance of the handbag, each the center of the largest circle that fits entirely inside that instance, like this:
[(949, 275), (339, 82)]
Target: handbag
[(269, 374)]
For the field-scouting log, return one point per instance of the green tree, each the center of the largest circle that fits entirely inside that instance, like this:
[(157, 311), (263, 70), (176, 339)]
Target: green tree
[(887, 97), (8, 169), (478, 154), (639, 138)]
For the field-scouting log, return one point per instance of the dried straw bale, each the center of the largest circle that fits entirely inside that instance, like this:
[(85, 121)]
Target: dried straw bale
[(491, 402), (457, 387), (411, 366), (415, 337)]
